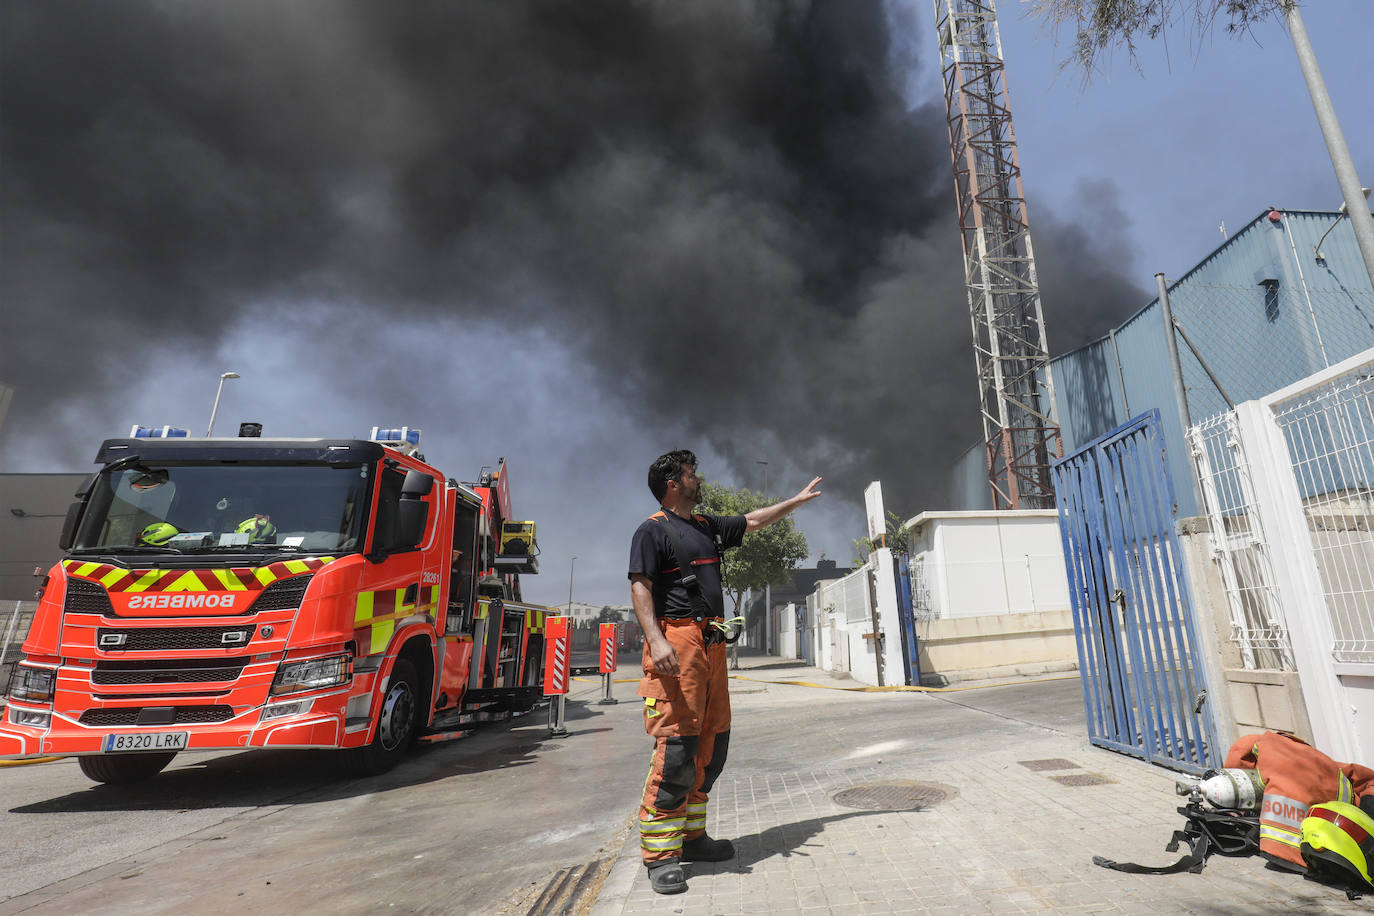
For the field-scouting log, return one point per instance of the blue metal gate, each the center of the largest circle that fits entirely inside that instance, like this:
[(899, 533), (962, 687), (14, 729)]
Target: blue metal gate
[(1133, 615), (911, 650)]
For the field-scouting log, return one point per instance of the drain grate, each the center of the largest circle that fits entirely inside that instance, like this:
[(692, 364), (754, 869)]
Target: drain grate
[(894, 796), (1082, 779), (572, 890), (1052, 763)]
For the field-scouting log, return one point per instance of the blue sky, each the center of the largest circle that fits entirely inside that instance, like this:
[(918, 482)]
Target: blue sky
[(1216, 127)]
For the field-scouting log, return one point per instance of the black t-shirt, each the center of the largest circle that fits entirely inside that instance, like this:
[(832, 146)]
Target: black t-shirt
[(652, 555)]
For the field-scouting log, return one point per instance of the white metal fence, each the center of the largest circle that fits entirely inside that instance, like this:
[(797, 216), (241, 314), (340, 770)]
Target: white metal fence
[(1239, 545), (1288, 483), (849, 596), (1330, 436)]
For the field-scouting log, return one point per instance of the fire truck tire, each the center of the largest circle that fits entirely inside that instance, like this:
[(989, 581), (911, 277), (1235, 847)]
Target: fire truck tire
[(396, 722), (122, 768)]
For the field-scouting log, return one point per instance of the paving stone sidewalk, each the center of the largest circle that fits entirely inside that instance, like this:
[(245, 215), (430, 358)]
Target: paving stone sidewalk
[(1016, 834)]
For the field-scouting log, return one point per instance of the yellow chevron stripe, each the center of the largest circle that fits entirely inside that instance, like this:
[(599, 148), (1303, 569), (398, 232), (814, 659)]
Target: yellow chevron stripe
[(146, 578), (188, 582), (230, 581), (113, 576), (296, 566)]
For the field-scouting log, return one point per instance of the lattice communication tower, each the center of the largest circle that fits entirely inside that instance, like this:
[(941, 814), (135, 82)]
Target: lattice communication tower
[(999, 268)]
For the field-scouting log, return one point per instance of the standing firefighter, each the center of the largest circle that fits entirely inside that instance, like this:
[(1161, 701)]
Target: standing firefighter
[(675, 586)]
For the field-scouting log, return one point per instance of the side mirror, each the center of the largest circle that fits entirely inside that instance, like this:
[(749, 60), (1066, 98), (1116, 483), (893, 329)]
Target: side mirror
[(69, 526), (73, 520), (410, 525), (418, 483), (413, 511)]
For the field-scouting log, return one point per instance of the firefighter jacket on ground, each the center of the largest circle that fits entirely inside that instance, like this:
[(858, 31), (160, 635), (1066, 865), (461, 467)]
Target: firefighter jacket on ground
[(1296, 776)]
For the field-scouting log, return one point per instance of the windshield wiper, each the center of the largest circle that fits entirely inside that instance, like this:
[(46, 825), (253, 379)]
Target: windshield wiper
[(124, 548)]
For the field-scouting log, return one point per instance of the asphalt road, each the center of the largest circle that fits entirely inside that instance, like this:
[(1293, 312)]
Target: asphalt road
[(478, 825)]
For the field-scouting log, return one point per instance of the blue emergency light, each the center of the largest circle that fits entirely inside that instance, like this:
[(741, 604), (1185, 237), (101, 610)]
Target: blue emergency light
[(157, 432), (404, 439)]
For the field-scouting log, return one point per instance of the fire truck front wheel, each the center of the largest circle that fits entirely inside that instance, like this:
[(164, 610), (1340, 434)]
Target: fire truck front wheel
[(121, 768), (396, 722)]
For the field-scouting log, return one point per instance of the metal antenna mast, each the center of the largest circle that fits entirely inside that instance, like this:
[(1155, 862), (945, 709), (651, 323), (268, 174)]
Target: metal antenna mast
[(999, 267)]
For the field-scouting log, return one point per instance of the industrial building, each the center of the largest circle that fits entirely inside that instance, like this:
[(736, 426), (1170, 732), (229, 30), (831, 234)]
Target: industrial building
[(1284, 297)]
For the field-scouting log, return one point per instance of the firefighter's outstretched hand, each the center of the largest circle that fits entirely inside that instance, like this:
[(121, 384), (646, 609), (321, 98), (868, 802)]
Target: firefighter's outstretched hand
[(664, 658), (809, 492)]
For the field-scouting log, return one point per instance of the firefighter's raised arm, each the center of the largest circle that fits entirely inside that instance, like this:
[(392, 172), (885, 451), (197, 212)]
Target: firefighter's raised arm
[(762, 518)]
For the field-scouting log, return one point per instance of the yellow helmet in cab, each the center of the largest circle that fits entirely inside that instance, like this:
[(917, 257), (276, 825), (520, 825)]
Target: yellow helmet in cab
[(158, 533)]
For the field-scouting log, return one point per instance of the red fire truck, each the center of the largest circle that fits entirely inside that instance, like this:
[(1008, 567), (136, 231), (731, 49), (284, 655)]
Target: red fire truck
[(245, 592)]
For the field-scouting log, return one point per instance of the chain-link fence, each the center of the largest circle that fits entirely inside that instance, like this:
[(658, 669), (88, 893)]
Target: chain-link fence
[(1243, 342)]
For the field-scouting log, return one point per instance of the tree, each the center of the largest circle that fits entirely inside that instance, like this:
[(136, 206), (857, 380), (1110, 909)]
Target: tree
[(898, 539), (766, 556), (610, 615), (1101, 26)]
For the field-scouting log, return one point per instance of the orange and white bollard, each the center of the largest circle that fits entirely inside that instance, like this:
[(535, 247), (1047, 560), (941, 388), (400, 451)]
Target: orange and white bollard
[(557, 666), (609, 637)]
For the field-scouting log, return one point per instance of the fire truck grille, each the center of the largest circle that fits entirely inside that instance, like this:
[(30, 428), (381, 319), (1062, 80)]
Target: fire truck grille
[(280, 596), (146, 639), (85, 597), (183, 715), (195, 671)]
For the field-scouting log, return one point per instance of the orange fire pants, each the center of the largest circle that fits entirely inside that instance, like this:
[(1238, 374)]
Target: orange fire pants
[(688, 717)]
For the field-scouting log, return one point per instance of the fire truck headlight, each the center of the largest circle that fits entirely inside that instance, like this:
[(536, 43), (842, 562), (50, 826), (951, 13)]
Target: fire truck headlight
[(312, 674), (291, 708), (34, 685), (30, 717)]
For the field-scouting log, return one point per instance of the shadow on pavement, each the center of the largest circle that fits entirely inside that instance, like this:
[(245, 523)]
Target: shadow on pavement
[(269, 777), (771, 665), (783, 840)]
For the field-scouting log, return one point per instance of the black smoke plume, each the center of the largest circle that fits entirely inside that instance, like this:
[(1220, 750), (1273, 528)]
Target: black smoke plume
[(729, 209)]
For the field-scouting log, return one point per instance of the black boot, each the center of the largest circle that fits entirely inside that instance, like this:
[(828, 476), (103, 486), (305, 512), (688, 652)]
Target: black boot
[(705, 849), (667, 877)]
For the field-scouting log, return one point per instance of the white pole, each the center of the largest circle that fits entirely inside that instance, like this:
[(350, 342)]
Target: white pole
[(1336, 148), (215, 409)]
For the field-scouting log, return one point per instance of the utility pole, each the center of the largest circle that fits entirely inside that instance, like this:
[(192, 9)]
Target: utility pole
[(1355, 204)]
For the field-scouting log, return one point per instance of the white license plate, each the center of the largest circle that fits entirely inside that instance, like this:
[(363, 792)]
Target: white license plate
[(147, 741)]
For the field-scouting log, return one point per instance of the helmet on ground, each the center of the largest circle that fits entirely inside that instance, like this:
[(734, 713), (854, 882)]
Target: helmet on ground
[(1338, 842), (158, 533)]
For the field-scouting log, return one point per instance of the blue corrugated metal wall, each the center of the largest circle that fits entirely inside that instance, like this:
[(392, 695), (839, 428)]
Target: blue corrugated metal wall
[(968, 486), (1260, 309)]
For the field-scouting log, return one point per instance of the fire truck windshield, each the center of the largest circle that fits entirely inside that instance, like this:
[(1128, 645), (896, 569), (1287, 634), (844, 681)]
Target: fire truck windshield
[(190, 508)]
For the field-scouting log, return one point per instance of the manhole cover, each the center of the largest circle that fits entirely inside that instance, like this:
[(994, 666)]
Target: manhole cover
[(1052, 763), (894, 796), (1082, 779)]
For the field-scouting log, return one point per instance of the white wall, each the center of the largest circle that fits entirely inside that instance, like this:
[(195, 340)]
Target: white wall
[(982, 563), (844, 610)]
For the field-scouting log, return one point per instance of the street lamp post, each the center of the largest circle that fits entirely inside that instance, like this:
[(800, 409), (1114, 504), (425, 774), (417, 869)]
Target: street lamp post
[(767, 589), (219, 391), (571, 566)]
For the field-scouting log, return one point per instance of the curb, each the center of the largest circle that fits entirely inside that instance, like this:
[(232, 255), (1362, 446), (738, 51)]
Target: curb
[(615, 892)]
